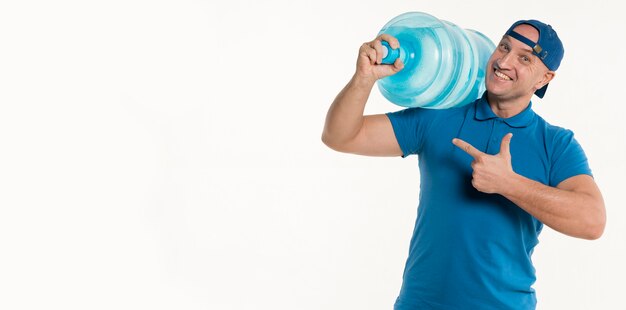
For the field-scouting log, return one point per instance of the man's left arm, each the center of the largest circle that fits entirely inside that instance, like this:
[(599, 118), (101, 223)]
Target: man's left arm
[(574, 207)]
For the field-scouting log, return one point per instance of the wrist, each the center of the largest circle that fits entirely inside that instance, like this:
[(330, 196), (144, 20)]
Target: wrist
[(361, 81), (514, 185)]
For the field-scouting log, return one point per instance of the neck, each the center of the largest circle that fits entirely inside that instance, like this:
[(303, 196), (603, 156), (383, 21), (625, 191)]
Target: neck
[(505, 108)]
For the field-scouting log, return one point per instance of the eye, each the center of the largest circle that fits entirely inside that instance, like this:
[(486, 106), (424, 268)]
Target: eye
[(525, 59), (504, 47)]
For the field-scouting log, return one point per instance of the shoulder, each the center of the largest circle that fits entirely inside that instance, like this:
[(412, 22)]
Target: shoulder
[(418, 113), (565, 155), (554, 134), (559, 141)]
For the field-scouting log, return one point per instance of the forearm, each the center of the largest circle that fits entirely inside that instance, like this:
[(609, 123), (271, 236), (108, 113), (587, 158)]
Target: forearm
[(577, 214), (345, 115)]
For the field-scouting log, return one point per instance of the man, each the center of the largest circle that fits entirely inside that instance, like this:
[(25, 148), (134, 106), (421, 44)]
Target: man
[(492, 173)]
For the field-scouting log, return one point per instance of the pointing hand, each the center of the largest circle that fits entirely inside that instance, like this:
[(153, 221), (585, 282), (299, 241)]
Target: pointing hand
[(491, 172)]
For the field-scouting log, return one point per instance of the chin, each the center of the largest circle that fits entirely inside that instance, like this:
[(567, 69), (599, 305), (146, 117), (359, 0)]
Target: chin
[(492, 89), (499, 92), (495, 88)]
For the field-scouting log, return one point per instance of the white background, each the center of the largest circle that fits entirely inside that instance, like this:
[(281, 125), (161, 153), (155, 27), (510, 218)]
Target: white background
[(167, 154)]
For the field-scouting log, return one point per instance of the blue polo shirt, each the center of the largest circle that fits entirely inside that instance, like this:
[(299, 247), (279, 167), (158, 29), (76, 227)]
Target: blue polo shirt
[(472, 250)]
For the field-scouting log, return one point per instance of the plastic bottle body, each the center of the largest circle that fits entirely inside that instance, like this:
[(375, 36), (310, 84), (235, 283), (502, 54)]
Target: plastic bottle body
[(444, 64)]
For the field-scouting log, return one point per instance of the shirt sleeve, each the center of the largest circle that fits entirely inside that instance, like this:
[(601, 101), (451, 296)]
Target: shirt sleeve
[(568, 159), (410, 127)]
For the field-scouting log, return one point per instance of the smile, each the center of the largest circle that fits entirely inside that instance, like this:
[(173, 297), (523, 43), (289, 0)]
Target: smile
[(502, 75)]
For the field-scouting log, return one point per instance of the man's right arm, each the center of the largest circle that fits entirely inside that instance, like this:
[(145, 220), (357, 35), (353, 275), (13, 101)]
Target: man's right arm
[(346, 128)]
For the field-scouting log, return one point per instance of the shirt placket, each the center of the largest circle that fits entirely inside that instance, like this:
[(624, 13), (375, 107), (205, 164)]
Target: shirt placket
[(493, 145)]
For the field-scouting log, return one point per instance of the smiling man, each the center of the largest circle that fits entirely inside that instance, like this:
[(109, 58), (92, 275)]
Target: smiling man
[(492, 173)]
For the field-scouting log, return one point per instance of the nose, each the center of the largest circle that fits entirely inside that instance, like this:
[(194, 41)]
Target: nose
[(504, 62)]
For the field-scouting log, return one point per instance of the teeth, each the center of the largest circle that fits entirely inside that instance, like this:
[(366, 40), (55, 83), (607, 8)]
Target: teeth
[(502, 75)]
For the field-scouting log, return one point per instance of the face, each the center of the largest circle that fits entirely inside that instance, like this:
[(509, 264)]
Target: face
[(513, 71)]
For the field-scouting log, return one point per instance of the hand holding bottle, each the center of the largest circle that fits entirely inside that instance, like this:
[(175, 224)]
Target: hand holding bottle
[(369, 63)]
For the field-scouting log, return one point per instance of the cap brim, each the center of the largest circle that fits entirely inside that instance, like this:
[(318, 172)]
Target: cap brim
[(541, 91)]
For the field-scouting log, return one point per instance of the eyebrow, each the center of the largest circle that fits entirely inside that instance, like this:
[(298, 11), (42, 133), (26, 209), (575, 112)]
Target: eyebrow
[(526, 49)]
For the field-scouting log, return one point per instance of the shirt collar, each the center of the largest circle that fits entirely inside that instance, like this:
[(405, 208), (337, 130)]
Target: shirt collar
[(484, 112)]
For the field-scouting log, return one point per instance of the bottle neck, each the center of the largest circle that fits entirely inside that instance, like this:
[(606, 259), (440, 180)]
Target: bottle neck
[(390, 55)]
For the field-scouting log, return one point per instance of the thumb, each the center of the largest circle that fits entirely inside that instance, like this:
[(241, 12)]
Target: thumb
[(505, 145)]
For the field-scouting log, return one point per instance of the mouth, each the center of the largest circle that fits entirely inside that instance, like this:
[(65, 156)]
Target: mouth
[(502, 76)]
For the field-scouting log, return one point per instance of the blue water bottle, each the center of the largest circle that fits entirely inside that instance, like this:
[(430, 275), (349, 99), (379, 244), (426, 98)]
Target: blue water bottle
[(444, 65)]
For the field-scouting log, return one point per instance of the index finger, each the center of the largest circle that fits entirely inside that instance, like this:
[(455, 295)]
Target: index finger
[(468, 148), (393, 42)]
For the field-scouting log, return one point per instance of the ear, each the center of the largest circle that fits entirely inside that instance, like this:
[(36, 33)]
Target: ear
[(547, 77)]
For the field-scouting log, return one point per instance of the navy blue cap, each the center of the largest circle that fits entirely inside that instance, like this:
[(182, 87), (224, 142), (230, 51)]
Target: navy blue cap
[(548, 48)]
